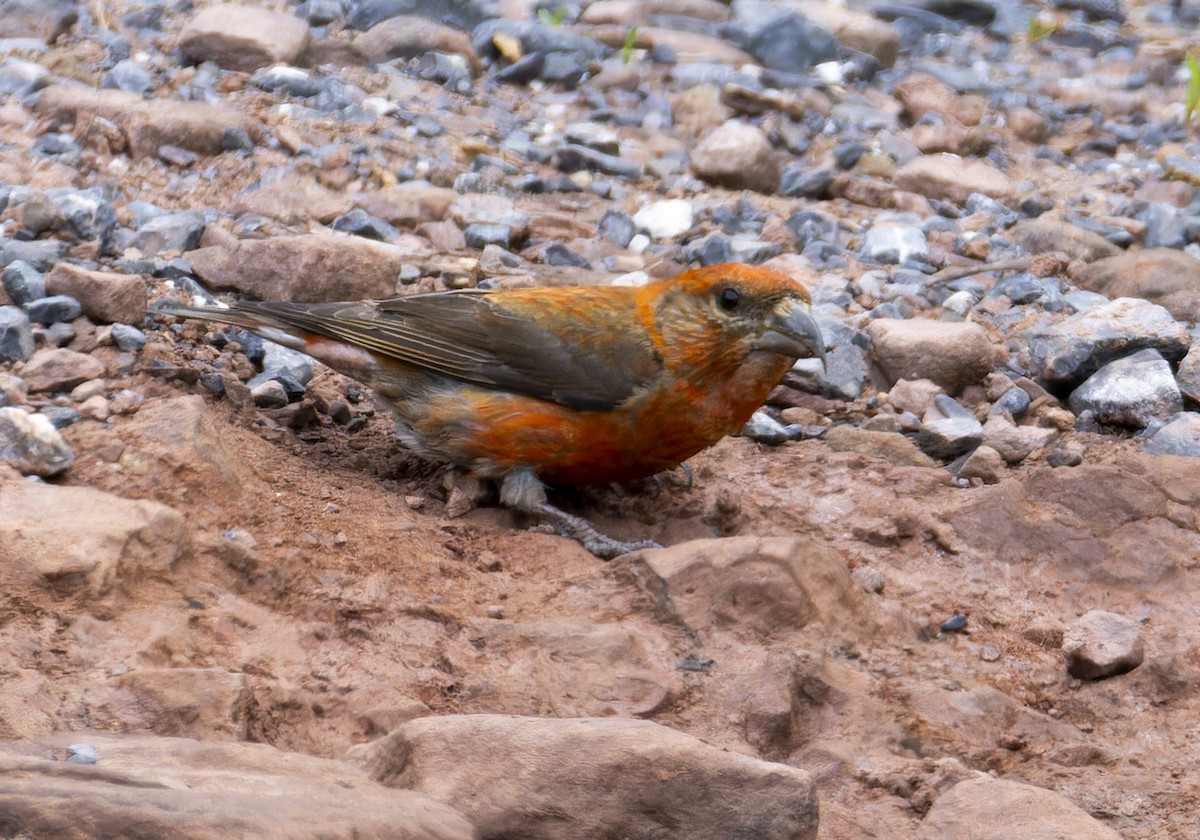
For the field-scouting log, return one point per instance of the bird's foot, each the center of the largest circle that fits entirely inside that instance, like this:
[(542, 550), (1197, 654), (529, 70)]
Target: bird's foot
[(524, 491), (583, 532)]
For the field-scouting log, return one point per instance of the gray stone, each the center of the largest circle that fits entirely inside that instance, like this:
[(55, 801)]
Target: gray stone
[(1130, 391), (170, 234), (20, 78), (31, 445), (1102, 644), (16, 335), (23, 282), (54, 309), (1015, 443), (1180, 436), (1071, 350), (269, 394)]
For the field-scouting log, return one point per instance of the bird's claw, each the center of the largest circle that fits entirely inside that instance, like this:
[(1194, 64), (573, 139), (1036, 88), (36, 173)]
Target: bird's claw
[(579, 529)]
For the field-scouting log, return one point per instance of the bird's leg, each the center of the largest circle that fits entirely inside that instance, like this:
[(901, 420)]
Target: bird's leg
[(522, 490)]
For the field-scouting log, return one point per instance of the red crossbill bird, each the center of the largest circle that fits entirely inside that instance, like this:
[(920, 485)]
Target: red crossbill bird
[(561, 386)]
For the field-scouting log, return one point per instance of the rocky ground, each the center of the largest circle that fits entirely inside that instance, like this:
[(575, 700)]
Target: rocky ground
[(944, 587)]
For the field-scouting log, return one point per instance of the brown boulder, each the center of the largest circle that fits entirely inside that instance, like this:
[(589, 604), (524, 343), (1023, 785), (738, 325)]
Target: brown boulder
[(142, 786), (311, 268), (106, 296), (546, 778), (1164, 276)]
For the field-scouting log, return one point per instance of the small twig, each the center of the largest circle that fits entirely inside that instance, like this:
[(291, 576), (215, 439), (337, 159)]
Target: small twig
[(957, 272)]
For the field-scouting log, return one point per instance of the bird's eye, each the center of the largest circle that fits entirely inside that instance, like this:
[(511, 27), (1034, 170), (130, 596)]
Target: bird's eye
[(729, 298)]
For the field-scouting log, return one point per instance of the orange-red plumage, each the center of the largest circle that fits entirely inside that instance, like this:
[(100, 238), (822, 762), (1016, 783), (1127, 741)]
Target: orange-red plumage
[(582, 385)]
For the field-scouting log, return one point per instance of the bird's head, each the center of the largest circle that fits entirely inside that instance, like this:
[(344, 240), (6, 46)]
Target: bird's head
[(733, 314)]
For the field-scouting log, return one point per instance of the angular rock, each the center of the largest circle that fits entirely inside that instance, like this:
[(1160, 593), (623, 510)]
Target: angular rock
[(1102, 644), (1181, 436), (194, 790), (1074, 348), (1188, 374), (952, 355), (1164, 276), (304, 269), (106, 296), (951, 178), (1043, 235), (984, 463), (948, 430), (895, 244), (737, 156), (31, 445), (58, 369), (16, 335), (1014, 443), (243, 37), (1130, 391), (577, 777), (146, 125), (23, 282), (921, 93), (106, 541), (1000, 809), (169, 234), (857, 30)]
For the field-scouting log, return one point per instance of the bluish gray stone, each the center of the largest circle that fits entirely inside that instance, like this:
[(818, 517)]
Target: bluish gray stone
[(948, 430), (16, 335), (23, 282), (1070, 350), (895, 244), (54, 309), (1180, 436)]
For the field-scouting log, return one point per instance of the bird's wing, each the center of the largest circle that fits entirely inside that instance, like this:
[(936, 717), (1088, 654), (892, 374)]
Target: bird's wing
[(475, 337)]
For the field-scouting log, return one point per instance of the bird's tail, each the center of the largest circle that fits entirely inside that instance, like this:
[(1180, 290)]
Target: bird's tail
[(246, 315)]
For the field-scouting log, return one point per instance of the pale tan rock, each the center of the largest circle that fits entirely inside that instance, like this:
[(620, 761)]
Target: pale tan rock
[(570, 662), (110, 540), (921, 93), (985, 464), (1102, 644), (293, 199), (408, 36), (178, 788), (915, 395), (950, 354), (738, 156), (1164, 276), (147, 125), (857, 30), (691, 47), (999, 809), (888, 446), (305, 269), (1044, 235), (59, 369), (407, 205), (952, 178), (762, 586), (576, 777), (243, 37), (106, 296)]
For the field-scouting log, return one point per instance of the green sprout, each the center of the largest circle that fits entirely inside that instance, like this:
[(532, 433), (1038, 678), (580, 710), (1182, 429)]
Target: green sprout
[(552, 18), (1039, 29), (627, 47), (1193, 91)]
